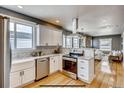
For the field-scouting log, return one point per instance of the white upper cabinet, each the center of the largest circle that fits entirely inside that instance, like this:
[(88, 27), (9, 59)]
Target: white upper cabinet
[(47, 36)]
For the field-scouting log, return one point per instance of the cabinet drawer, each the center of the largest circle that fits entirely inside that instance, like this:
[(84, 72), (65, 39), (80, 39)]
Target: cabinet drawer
[(83, 66), (83, 70), (83, 76), (83, 62), (22, 66)]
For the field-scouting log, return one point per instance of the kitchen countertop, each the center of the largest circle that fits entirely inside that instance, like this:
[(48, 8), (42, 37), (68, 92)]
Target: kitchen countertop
[(85, 58), (22, 60)]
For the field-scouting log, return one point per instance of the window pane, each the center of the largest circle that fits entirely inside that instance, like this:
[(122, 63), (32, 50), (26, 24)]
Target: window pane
[(105, 44), (64, 40), (75, 42), (11, 28), (69, 42), (23, 36)]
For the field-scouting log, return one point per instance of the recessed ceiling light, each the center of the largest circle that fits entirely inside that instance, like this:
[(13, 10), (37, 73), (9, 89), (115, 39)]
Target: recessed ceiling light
[(19, 6), (57, 21)]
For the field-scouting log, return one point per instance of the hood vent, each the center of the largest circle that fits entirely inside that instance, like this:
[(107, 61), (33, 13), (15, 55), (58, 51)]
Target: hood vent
[(74, 25), (75, 32)]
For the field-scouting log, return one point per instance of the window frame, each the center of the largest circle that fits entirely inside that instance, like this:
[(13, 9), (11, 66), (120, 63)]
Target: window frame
[(25, 23), (65, 45), (105, 39)]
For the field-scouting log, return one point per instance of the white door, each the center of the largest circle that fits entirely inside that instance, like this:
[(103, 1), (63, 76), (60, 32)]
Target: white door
[(15, 79), (28, 75)]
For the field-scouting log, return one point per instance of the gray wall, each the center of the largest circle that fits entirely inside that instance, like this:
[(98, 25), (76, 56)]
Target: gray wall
[(116, 41)]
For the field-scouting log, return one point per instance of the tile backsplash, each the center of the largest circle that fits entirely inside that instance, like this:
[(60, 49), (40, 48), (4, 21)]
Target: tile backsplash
[(49, 50), (17, 54)]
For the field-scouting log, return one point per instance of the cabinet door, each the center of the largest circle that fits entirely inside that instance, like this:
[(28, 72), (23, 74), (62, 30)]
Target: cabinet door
[(60, 62), (50, 37), (56, 64), (52, 62), (59, 40), (28, 75), (44, 37), (15, 79)]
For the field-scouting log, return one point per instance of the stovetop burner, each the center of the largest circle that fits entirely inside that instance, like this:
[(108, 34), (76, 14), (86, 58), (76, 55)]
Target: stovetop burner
[(70, 56), (73, 55)]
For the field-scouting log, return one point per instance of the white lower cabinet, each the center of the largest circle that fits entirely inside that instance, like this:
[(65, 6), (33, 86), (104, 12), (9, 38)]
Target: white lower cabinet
[(55, 63), (15, 79), (52, 65), (86, 70), (60, 63), (29, 75), (22, 73)]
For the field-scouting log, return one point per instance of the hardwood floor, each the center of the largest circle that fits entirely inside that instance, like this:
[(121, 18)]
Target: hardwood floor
[(114, 78)]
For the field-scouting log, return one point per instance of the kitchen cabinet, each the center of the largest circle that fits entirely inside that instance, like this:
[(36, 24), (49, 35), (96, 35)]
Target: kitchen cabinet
[(47, 36), (55, 63), (60, 62), (52, 65), (15, 79), (22, 73), (86, 70), (28, 75)]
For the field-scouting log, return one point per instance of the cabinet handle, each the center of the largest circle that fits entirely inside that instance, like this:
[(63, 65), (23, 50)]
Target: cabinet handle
[(82, 67), (82, 75), (82, 61), (22, 72)]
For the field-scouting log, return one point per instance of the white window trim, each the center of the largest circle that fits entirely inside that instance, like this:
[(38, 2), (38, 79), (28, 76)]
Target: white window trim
[(28, 23)]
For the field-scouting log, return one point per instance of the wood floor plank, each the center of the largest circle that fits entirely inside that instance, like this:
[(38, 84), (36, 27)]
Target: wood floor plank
[(101, 80)]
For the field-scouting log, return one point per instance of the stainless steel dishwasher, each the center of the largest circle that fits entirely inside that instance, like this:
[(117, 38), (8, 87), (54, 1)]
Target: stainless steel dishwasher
[(42, 68)]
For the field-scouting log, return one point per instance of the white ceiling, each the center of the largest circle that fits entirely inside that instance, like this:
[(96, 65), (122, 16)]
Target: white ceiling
[(96, 20)]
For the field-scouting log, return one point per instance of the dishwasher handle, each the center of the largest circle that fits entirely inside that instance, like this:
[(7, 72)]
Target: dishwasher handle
[(42, 60)]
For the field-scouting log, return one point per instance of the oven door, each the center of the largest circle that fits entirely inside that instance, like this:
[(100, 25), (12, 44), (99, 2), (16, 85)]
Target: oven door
[(70, 65)]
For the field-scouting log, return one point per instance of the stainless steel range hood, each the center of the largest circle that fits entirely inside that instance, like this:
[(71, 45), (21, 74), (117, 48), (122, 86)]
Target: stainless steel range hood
[(75, 28)]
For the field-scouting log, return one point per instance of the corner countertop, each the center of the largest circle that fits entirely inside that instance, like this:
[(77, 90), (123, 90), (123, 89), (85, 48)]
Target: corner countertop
[(23, 60)]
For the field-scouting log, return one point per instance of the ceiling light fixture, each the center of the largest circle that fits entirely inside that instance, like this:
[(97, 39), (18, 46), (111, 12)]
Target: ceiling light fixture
[(19, 6), (57, 21)]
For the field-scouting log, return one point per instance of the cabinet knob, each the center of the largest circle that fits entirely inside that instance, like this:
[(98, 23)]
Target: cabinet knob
[(82, 61)]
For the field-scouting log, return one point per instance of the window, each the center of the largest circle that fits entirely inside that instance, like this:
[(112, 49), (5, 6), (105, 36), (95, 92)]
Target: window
[(64, 41), (75, 42), (24, 36), (68, 42), (12, 34), (21, 35), (105, 44)]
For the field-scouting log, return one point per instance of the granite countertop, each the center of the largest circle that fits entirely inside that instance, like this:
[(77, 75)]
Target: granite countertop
[(27, 59)]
